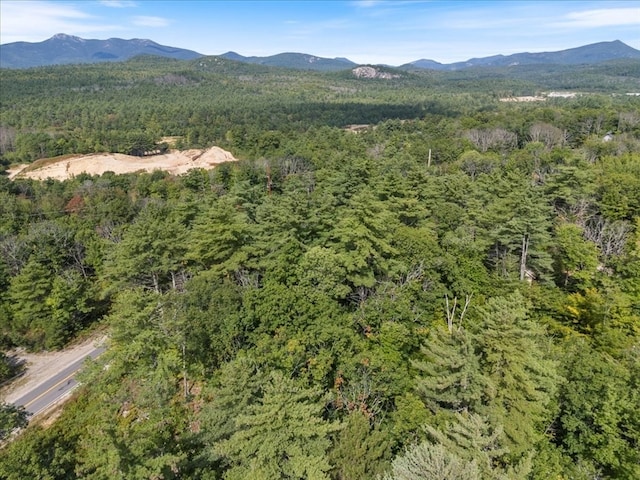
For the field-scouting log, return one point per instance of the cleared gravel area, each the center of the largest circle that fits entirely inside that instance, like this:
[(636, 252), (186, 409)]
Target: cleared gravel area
[(175, 162)]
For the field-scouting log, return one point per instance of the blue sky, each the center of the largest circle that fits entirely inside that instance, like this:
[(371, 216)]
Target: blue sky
[(365, 31)]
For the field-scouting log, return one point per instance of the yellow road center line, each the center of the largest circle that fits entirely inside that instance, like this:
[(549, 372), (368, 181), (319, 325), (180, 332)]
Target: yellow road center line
[(49, 389)]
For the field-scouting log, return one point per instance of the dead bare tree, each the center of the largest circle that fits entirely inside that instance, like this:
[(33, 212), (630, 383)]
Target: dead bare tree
[(496, 138), (7, 139), (591, 125), (548, 135), (610, 237), (451, 311), (246, 279), (360, 395), (15, 253), (627, 121)]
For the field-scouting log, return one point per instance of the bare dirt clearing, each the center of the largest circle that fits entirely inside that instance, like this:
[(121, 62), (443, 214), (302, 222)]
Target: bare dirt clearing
[(41, 366), (175, 162)]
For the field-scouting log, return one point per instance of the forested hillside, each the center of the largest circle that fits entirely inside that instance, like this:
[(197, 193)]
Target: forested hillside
[(450, 290)]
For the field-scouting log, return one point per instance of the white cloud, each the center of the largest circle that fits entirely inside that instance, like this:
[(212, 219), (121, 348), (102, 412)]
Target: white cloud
[(118, 3), (606, 17), (38, 20), (386, 3), (146, 21), (366, 3)]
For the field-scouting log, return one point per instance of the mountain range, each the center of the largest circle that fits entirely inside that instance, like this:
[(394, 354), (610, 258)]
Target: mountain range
[(588, 54), (65, 49)]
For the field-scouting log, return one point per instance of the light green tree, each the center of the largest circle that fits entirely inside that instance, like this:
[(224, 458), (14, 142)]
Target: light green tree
[(576, 258), (522, 378), (219, 237), (427, 461), (281, 436), (449, 374)]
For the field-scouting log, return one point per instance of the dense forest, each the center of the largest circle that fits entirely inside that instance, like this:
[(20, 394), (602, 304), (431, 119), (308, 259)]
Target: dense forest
[(450, 291)]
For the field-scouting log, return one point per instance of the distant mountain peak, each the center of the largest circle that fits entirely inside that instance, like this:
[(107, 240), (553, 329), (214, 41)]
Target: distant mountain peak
[(64, 49), (300, 61), (64, 36)]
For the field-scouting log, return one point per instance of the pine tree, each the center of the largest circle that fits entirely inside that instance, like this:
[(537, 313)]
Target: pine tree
[(219, 235), (473, 439), (522, 379), (518, 223), (449, 373), (151, 253), (362, 239), (360, 450), (427, 461), (27, 296), (282, 436)]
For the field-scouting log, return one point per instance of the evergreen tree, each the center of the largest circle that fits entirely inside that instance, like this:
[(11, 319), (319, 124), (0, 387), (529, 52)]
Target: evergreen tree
[(474, 440), (220, 236), (522, 378), (597, 422), (519, 225), (360, 450), (27, 295), (282, 436), (427, 461), (362, 237), (151, 253), (449, 374)]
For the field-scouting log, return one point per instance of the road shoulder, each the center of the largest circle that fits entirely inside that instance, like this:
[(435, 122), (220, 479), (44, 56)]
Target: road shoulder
[(44, 365)]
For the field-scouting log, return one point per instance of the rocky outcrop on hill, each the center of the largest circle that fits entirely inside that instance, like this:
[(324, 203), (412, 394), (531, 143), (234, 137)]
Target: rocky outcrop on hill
[(373, 72)]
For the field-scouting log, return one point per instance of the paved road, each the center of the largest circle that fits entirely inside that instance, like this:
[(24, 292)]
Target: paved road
[(56, 387)]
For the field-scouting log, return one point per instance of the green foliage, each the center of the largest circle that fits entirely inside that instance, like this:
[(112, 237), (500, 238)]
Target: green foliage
[(281, 436), (597, 423), (214, 327), (577, 258), (283, 316), (151, 252), (362, 239), (449, 374), (47, 310), (522, 378), (218, 236), (40, 453), (27, 294), (360, 449), (475, 441), (11, 417), (432, 462)]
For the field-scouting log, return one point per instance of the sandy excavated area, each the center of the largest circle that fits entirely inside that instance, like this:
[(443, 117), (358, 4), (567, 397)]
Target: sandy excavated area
[(41, 366), (175, 162)]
